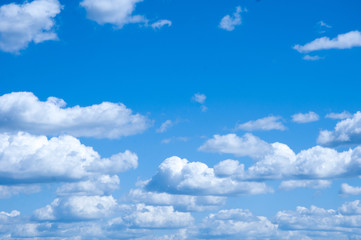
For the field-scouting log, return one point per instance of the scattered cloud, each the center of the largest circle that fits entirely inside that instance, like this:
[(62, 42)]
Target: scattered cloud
[(26, 158), (263, 124), (161, 23), (115, 12), (342, 41), (21, 24), (7, 191), (165, 126), (229, 22), (342, 115), (25, 112), (199, 98), (312, 58), (305, 117), (347, 131), (316, 184), (347, 190), (175, 139), (178, 176), (323, 24)]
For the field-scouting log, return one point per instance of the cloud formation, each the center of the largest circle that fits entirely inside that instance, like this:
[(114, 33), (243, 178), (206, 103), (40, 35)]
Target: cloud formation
[(32, 21), (347, 131), (25, 112), (305, 117), (347, 190), (27, 158), (229, 22), (342, 41), (341, 116), (161, 23), (263, 124)]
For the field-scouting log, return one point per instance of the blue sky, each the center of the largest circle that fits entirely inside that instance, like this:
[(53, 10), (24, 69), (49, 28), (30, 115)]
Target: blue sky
[(163, 119)]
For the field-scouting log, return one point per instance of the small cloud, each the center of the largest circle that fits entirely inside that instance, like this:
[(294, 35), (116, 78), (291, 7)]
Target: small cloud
[(323, 24), (305, 117), (264, 124), (161, 23), (229, 22), (312, 58), (199, 98), (180, 139), (342, 115), (165, 126), (347, 190)]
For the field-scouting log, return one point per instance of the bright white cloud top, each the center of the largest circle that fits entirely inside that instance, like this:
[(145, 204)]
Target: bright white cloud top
[(342, 41), (263, 124), (24, 111), (21, 24)]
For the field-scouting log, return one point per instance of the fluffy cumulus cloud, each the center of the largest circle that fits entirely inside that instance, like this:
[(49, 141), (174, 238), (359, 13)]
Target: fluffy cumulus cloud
[(115, 12), (347, 131), (347, 190), (342, 41), (32, 21), (263, 124), (229, 22), (24, 111), (280, 162), (178, 176), (236, 224), (199, 98), (305, 117), (179, 202), (75, 208), (28, 158), (247, 145)]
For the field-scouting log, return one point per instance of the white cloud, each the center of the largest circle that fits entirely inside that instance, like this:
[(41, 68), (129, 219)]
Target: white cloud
[(8, 191), (229, 22), (305, 117), (292, 184), (236, 224), (342, 41), (178, 176), (96, 185), (76, 208), (21, 24), (165, 125), (264, 124), (29, 158), (247, 145), (115, 12), (161, 23), (323, 24), (280, 162), (347, 131), (142, 216), (347, 190), (24, 111), (312, 58), (199, 98), (179, 202), (342, 115)]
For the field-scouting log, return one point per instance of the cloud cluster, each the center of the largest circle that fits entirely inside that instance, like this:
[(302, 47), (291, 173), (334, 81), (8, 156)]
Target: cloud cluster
[(342, 41), (25, 112), (21, 24), (263, 124), (347, 131), (305, 117)]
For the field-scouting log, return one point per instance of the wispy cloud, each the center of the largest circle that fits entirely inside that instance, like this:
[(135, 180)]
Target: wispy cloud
[(229, 22), (305, 117), (263, 124)]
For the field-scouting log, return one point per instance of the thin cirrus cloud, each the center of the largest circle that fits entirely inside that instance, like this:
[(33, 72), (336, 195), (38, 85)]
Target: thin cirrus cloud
[(25, 112), (280, 162), (346, 131), (21, 24), (263, 124), (229, 22), (305, 117), (165, 126), (26, 158), (342, 41)]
